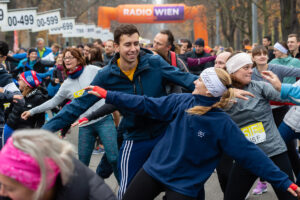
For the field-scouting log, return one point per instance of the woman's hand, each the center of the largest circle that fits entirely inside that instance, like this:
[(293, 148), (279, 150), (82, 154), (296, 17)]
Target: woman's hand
[(25, 115), (81, 121), (17, 97), (272, 78), (294, 190), (241, 94), (97, 91)]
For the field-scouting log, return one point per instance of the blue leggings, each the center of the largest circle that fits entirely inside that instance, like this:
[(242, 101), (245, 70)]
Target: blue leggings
[(106, 130)]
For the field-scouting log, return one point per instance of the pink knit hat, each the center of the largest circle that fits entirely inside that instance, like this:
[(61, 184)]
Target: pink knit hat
[(24, 168)]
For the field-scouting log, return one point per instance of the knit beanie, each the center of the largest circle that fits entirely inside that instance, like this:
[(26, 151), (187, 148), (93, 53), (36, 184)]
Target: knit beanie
[(31, 50), (199, 42), (31, 78)]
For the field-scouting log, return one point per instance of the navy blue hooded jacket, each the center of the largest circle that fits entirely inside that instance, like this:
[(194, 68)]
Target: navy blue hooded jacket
[(149, 79), (192, 145)]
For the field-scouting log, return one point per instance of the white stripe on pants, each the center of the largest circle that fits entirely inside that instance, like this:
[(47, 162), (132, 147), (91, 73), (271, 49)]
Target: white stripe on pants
[(124, 168)]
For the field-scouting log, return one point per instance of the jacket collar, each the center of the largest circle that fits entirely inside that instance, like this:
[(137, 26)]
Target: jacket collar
[(142, 63), (205, 101)]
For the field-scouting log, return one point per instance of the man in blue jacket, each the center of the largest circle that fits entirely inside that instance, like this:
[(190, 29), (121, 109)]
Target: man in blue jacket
[(134, 71)]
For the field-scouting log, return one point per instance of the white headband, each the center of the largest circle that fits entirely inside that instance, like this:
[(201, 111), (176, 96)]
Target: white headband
[(212, 82), (281, 48), (238, 61)]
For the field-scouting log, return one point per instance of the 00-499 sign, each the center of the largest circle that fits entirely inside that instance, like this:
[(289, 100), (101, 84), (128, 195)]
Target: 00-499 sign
[(24, 20), (20, 20)]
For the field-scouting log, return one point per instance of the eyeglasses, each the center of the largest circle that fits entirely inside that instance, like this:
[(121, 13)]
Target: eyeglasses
[(68, 58)]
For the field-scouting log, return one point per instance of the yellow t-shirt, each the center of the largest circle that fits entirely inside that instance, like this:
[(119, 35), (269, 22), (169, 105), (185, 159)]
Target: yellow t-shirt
[(129, 73)]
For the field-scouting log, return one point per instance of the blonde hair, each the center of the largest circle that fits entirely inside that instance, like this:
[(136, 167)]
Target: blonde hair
[(225, 99), (41, 144)]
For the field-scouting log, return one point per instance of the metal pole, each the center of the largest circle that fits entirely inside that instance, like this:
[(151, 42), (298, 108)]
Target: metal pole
[(254, 22), (89, 18), (217, 26), (66, 14)]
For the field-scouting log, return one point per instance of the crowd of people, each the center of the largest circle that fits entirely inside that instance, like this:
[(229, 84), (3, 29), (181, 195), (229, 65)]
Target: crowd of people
[(166, 115)]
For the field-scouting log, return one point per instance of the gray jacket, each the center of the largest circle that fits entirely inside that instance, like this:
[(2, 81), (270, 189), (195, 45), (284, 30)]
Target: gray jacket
[(258, 109), (71, 89)]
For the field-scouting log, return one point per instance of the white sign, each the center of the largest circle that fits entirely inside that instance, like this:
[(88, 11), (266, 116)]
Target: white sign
[(20, 20), (89, 31), (3, 14), (79, 31), (67, 26), (106, 35), (97, 33), (45, 21)]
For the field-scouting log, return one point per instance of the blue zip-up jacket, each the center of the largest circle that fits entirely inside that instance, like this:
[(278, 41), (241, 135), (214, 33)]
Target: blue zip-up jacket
[(192, 145), (290, 92), (47, 51), (149, 79)]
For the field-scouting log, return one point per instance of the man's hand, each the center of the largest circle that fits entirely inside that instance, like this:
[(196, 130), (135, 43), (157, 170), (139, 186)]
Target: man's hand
[(97, 91), (241, 94), (1, 90), (272, 78)]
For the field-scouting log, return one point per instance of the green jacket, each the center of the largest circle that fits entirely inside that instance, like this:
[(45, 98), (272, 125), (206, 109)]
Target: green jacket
[(288, 61)]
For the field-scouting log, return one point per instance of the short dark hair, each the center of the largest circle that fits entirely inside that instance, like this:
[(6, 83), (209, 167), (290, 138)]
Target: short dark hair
[(187, 41), (3, 48), (124, 29), (293, 35), (90, 45), (246, 41), (80, 46), (268, 38), (170, 36), (98, 41)]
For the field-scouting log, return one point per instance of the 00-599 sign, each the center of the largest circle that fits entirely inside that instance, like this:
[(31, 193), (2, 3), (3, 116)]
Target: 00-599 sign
[(47, 20), (20, 20)]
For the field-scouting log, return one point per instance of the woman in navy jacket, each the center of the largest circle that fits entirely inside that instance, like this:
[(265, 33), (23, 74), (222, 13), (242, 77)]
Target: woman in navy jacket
[(198, 133)]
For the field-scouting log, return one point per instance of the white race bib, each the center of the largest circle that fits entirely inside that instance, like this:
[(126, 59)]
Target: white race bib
[(255, 133)]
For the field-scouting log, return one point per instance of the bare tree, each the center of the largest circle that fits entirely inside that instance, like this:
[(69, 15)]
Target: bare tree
[(289, 20)]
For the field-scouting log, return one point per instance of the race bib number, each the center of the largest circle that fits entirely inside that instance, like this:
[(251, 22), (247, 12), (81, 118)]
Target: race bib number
[(255, 133), (79, 93)]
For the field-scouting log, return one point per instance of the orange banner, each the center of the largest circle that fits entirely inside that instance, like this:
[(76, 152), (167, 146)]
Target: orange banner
[(147, 13)]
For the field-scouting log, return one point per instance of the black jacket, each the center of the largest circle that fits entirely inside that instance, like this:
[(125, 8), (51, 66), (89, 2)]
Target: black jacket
[(199, 68), (33, 99), (10, 90), (84, 184)]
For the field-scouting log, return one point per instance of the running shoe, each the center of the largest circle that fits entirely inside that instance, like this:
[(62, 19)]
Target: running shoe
[(261, 187)]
